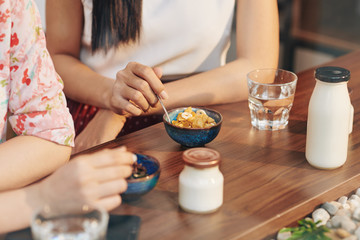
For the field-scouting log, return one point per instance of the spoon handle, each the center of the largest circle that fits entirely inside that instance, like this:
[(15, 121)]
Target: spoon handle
[(163, 106)]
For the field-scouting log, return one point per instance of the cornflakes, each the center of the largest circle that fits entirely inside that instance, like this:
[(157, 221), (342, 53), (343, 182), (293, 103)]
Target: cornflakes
[(191, 119)]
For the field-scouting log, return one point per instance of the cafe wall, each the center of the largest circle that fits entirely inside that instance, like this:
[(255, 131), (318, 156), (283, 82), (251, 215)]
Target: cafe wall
[(315, 31)]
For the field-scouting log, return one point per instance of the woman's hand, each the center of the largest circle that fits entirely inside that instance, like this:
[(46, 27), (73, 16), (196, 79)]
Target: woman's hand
[(135, 88), (95, 179)]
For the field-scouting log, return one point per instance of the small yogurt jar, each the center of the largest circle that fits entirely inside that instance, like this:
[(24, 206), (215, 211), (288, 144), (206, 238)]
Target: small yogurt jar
[(201, 183)]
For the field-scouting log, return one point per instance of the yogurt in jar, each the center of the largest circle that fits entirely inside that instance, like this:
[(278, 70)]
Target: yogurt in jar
[(201, 182)]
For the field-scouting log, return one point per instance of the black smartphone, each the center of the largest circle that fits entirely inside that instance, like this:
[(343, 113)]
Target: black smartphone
[(124, 227)]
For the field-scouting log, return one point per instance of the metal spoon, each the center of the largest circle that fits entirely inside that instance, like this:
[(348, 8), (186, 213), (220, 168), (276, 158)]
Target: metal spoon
[(163, 106)]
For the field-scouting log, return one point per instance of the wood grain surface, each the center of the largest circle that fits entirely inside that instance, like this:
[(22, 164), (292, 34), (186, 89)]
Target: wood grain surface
[(268, 182)]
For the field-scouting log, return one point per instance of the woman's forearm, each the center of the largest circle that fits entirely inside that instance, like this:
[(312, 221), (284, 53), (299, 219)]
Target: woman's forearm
[(17, 207), (26, 159), (221, 85), (81, 83)]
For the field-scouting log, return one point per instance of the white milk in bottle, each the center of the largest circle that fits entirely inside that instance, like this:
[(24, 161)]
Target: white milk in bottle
[(200, 182), (330, 117)]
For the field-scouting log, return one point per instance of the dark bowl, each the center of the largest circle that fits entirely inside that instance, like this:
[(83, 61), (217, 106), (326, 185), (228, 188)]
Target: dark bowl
[(192, 137), (138, 187)]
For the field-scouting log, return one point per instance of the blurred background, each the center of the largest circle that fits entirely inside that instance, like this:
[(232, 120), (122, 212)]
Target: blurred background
[(312, 31)]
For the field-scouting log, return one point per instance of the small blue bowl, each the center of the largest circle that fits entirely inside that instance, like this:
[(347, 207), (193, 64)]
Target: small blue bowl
[(192, 137), (138, 187)]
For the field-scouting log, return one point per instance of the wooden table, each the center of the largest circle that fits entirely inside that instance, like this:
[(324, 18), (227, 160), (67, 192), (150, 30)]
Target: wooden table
[(268, 182)]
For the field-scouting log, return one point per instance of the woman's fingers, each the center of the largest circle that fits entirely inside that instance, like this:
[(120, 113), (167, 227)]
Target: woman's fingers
[(112, 187), (137, 80), (92, 178), (110, 157), (158, 73), (124, 157), (115, 165), (129, 93), (110, 202), (123, 104), (150, 76), (126, 97), (111, 173), (138, 84)]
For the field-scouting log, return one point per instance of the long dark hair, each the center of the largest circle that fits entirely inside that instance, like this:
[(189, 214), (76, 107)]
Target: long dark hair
[(115, 22)]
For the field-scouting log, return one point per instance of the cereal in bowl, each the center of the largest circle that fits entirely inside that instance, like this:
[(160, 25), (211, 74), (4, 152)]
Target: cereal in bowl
[(191, 119)]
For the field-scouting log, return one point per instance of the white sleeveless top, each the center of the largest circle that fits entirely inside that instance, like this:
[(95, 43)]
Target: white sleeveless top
[(180, 36)]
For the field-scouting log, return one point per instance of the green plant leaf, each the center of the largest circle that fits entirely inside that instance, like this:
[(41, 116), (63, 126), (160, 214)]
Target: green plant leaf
[(307, 230)]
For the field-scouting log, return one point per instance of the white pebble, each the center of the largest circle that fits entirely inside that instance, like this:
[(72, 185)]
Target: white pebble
[(344, 212), (283, 235), (337, 220), (349, 225), (357, 192), (329, 224), (353, 203), (346, 206), (342, 200), (330, 208), (335, 203), (354, 197), (322, 215), (356, 214), (357, 232)]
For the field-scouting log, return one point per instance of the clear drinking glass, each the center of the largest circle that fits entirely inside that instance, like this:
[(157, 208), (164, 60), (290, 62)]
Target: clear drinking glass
[(271, 95), (86, 223)]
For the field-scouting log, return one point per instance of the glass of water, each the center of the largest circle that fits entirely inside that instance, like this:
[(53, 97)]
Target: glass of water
[(271, 95), (86, 223)]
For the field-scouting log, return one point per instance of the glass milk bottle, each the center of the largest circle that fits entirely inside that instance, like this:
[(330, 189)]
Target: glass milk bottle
[(330, 119), (201, 182)]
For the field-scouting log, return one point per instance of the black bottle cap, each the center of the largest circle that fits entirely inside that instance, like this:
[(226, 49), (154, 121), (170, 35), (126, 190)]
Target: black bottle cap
[(332, 74)]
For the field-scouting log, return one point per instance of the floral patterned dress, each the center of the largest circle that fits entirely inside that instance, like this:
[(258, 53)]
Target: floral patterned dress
[(31, 92)]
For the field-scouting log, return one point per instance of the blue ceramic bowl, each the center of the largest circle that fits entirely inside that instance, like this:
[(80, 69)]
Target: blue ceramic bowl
[(192, 137), (138, 187)]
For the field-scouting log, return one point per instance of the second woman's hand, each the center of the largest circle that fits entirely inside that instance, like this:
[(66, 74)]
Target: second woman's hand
[(95, 179)]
